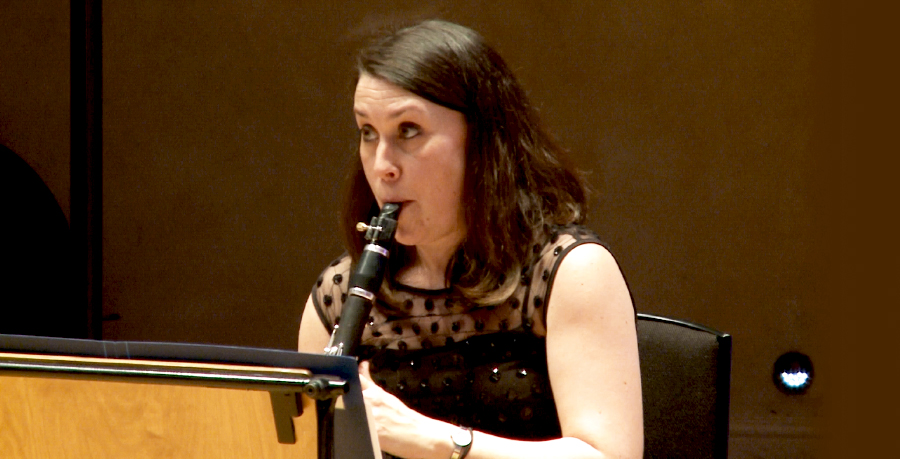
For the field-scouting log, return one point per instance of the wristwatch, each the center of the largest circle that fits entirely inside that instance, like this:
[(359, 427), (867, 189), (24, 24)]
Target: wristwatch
[(462, 442)]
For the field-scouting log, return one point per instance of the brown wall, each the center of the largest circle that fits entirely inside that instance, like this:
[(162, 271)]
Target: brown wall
[(227, 130), (34, 88)]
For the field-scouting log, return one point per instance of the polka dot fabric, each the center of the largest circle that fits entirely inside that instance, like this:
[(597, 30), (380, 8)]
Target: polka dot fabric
[(423, 319), (484, 367)]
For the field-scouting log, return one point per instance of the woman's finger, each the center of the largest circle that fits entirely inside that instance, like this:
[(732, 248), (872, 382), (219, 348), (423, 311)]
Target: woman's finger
[(365, 379)]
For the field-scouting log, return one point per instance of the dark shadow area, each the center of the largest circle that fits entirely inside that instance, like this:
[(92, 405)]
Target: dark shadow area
[(36, 282)]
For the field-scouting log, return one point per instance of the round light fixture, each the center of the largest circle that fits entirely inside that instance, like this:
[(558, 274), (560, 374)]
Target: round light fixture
[(793, 373)]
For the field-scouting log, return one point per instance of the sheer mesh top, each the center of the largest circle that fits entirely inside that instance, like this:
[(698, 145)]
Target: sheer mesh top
[(479, 366)]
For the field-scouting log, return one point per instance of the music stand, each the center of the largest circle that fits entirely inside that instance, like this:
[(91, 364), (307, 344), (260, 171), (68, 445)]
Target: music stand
[(70, 396)]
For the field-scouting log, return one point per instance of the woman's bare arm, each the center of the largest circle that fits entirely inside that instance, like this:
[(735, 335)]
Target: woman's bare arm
[(594, 371)]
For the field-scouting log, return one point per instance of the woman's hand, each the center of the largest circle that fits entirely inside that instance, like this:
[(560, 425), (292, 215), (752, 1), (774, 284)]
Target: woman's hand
[(401, 430)]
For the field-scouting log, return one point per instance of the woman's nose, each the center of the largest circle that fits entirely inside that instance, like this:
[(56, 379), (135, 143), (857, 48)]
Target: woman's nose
[(386, 166)]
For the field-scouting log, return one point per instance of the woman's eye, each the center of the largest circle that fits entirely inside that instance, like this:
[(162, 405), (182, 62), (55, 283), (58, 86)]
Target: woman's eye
[(408, 130), (366, 133)]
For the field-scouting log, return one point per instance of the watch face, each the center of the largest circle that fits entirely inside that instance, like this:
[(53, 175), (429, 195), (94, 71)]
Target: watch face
[(462, 437)]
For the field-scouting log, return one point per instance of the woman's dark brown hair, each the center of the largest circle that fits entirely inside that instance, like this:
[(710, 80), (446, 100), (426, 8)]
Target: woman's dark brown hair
[(516, 182)]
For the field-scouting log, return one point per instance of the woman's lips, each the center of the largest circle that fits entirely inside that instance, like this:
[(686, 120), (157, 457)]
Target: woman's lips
[(399, 202)]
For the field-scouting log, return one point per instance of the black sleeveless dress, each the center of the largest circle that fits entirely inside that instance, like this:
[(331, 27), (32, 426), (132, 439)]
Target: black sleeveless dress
[(483, 367)]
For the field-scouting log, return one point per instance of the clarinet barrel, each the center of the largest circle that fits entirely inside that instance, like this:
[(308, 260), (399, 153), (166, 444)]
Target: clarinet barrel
[(365, 281)]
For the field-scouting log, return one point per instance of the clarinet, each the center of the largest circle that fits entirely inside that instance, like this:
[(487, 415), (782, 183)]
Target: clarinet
[(365, 282)]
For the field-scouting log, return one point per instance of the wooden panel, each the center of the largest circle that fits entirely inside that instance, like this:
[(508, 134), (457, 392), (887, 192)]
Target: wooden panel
[(61, 418)]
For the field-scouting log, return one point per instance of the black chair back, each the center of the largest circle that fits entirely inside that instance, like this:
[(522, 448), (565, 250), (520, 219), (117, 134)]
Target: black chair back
[(685, 379)]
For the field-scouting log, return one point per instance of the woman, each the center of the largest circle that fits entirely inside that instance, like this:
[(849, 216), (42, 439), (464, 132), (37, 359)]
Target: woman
[(466, 353)]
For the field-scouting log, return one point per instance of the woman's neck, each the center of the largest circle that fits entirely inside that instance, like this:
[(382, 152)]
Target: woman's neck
[(427, 268)]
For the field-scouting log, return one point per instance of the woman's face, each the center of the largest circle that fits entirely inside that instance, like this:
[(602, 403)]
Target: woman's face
[(413, 152)]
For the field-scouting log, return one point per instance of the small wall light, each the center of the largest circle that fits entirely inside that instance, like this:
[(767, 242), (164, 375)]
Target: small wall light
[(793, 373)]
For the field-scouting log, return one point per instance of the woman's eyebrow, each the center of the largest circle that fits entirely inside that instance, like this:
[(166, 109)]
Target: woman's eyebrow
[(396, 113)]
